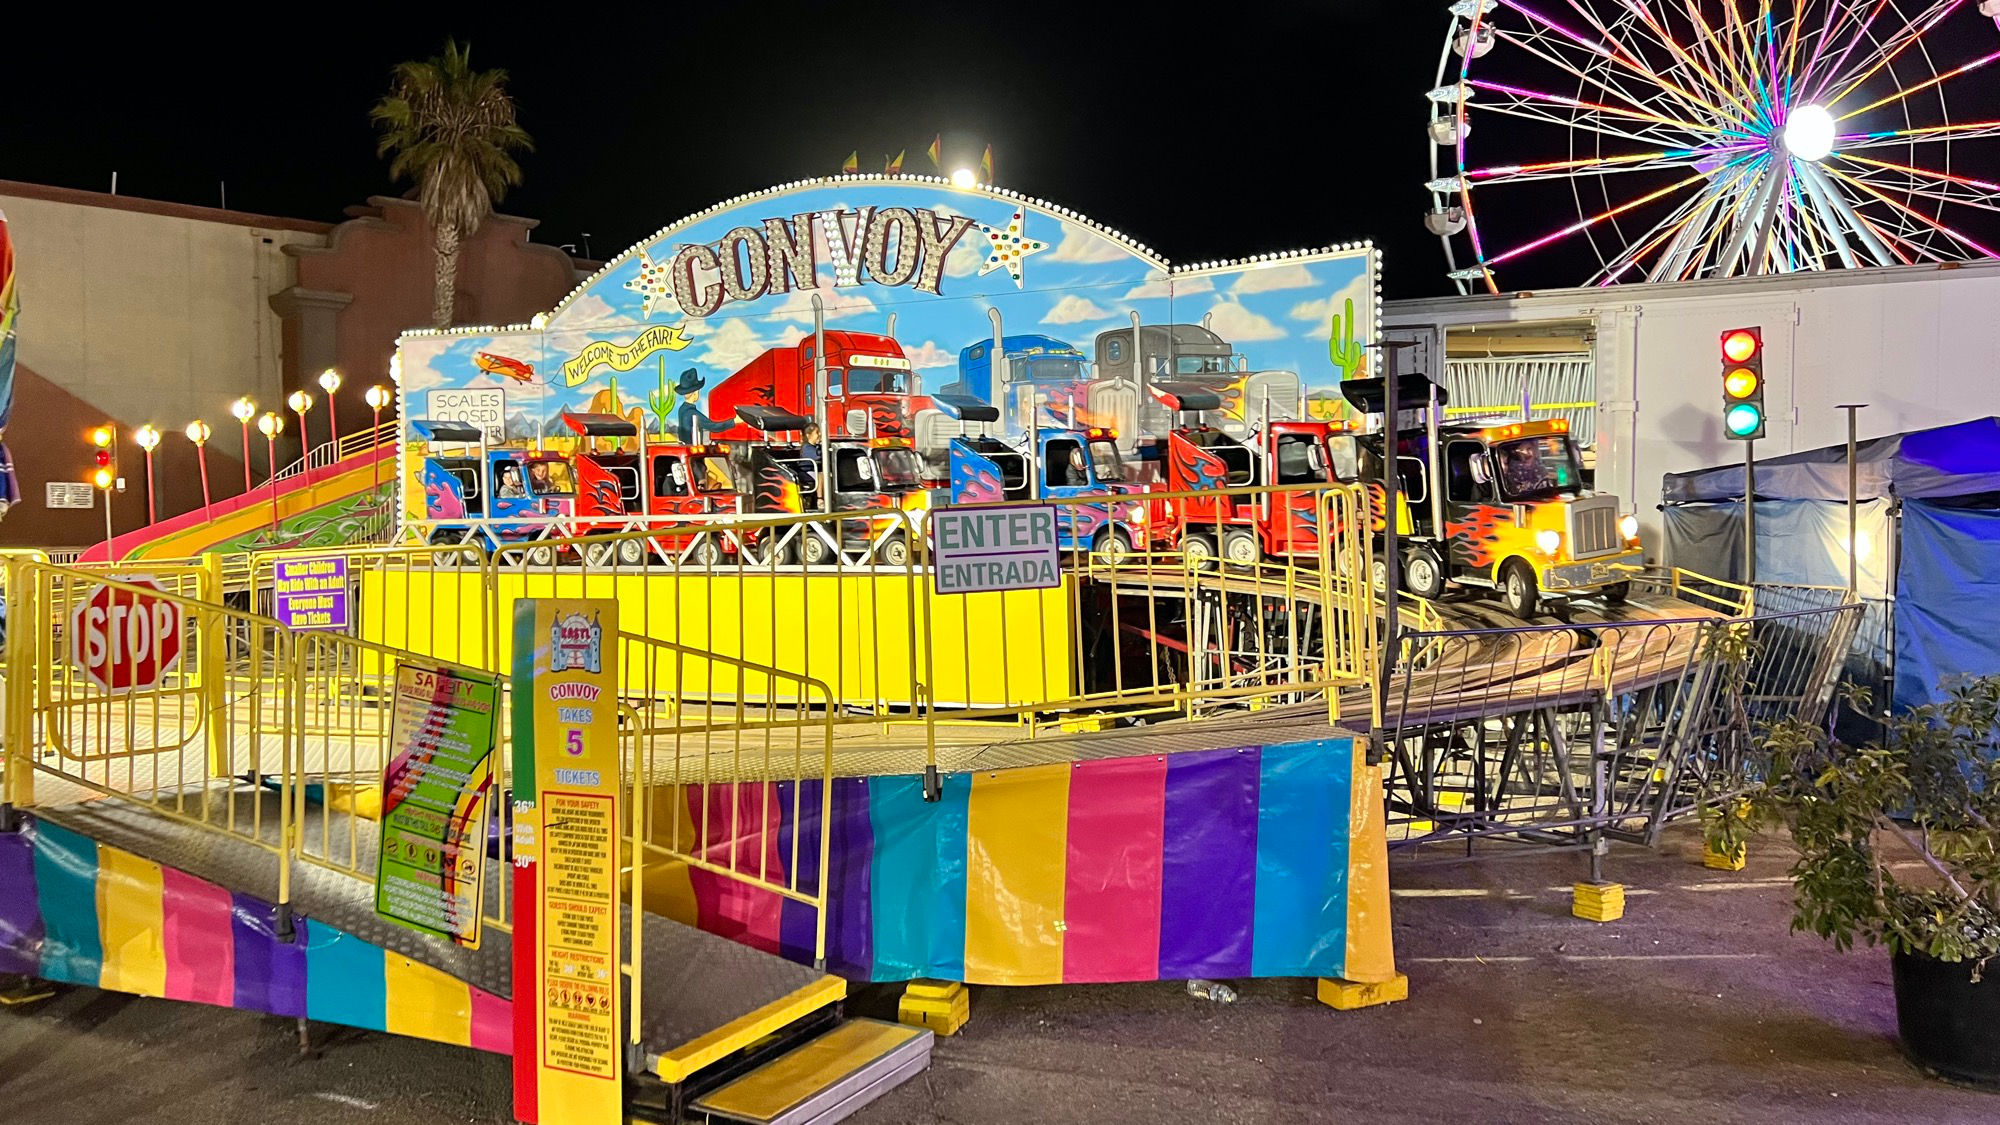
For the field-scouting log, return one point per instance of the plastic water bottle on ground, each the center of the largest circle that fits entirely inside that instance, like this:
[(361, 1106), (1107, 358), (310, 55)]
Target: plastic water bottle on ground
[(1211, 990)]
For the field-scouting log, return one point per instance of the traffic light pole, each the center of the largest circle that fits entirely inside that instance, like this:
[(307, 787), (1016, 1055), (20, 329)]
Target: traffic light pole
[(1750, 512)]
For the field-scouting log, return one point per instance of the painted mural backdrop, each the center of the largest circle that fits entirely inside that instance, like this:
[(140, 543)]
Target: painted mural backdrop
[(918, 287)]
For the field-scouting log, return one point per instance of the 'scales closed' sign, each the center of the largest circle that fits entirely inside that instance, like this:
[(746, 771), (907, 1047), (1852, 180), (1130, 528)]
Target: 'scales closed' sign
[(485, 407)]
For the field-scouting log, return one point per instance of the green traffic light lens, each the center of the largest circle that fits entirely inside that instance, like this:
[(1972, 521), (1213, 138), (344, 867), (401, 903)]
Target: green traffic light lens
[(1743, 419)]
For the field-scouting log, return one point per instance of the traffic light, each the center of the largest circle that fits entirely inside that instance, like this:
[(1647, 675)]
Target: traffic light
[(1743, 384), (103, 475)]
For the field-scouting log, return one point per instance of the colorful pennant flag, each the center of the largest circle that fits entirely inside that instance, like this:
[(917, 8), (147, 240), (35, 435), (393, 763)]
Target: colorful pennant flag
[(936, 152), (895, 167), (852, 164), (986, 166)]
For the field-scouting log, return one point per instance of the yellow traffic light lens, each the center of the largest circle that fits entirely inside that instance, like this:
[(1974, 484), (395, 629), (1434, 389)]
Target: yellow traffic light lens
[(1743, 420), (1740, 345), (102, 478), (101, 437), (1740, 383)]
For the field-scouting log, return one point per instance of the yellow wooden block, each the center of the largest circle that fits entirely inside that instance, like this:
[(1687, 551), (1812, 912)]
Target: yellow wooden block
[(1088, 724), (1717, 861), (1347, 995), (1598, 902), (942, 1006)]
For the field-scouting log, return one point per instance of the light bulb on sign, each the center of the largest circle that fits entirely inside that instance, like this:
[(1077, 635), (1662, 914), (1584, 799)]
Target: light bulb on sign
[(963, 178)]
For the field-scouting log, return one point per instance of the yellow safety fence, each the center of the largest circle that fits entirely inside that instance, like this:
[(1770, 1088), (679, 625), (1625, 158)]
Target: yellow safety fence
[(1140, 624)]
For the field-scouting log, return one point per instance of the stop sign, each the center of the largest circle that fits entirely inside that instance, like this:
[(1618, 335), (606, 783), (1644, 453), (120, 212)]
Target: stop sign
[(122, 641)]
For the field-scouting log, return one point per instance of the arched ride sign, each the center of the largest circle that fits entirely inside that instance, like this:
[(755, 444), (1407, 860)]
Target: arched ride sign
[(123, 640)]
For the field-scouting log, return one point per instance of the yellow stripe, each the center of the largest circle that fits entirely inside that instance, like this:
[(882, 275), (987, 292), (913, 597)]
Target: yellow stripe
[(738, 1033), (770, 1090), (426, 1003), (131, 923), (1016, 857), (1371, 954)]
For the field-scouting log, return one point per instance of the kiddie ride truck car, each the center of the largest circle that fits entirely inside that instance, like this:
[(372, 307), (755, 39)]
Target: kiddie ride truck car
[(1515, 515), (1072, 463), (669, 490), (788, 477), (491, 498), (1245, 530)]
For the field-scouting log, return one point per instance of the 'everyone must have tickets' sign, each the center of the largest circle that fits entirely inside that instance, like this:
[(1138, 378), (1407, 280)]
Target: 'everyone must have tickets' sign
[(310, 593)]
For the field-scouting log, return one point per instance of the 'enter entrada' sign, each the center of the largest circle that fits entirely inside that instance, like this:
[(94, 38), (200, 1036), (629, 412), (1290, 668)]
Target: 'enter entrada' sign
[(975, 550)]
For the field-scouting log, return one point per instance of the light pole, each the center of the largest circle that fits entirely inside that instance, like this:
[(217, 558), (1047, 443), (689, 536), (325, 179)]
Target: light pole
[(244, 410), (146, 437), (300, 402), (271, 425), (329, 381), (377, 397), (198, 432)]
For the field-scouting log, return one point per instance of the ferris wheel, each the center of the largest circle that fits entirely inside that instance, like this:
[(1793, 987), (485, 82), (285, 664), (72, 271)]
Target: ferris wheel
[(1664, 140)]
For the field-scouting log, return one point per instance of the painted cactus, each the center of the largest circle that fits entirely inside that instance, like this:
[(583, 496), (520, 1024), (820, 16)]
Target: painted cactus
[(1347, 353)]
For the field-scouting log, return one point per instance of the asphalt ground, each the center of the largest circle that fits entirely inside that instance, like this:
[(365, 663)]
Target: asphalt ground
[(1698, 1006)]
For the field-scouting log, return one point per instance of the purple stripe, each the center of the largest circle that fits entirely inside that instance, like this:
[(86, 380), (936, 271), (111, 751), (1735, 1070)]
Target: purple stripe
[(270, 974), (20, 911), (1209, 882), (798, 923), (850, 925)]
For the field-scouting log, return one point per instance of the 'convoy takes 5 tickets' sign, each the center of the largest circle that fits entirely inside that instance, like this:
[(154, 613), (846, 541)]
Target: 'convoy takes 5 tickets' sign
[(980, 549), (568, 1058)]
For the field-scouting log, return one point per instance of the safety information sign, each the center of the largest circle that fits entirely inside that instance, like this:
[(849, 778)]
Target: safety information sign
[(431, 864)]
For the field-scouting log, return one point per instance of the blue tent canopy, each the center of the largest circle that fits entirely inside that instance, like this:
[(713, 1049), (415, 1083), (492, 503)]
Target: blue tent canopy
[(1929, 511), (1957, 460)]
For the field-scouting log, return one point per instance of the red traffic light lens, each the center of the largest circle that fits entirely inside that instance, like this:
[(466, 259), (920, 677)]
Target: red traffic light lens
[(1740, 383), (1740, 345), (103, 458)]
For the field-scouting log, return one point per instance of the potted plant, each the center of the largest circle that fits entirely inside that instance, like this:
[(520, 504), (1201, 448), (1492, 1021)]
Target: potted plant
[(1927, 791)]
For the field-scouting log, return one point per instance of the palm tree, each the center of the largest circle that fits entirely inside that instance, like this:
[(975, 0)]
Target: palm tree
[(452, 130)]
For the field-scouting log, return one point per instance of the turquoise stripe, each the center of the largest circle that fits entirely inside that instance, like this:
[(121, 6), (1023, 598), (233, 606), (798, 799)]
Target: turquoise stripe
[(918, 886), (66, 887), (344, 978), (1302, 843)]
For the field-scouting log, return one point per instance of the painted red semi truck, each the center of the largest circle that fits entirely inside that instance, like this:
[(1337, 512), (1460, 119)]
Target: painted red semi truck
[(871, 392)]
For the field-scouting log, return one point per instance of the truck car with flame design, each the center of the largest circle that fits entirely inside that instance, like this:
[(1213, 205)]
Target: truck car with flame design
[(1518, 518), (1244, 530), (786, 475), (491, 497), (669, 490), (1069, 463)]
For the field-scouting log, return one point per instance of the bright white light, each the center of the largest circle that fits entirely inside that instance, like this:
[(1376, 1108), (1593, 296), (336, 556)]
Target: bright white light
[(963, 178), (1809, 133)]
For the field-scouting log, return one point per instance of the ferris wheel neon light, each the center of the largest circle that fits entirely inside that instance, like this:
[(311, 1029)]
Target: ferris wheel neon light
[(1712, 138)]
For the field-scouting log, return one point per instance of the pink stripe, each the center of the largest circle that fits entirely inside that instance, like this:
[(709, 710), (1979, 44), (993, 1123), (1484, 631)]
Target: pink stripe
[(1111, 892), (727, 906), (492, 1023), (200, 945)]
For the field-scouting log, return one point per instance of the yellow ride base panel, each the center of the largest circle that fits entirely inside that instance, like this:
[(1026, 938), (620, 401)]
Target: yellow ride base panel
[(1347, 995), (1598, 902), (942, 1006), (770, 1091)]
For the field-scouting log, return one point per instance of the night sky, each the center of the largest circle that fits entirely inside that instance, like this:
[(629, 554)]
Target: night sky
[(1264, 126), (1257, 126)]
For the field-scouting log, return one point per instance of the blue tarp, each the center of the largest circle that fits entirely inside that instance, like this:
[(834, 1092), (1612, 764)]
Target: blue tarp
[(1958, 460), (1948, 599)]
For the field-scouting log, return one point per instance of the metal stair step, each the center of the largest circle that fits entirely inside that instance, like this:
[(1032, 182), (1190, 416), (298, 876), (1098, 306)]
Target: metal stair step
[(825, 1080)]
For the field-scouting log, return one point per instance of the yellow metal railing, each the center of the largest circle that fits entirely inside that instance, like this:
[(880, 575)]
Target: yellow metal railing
[(712, 789)]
